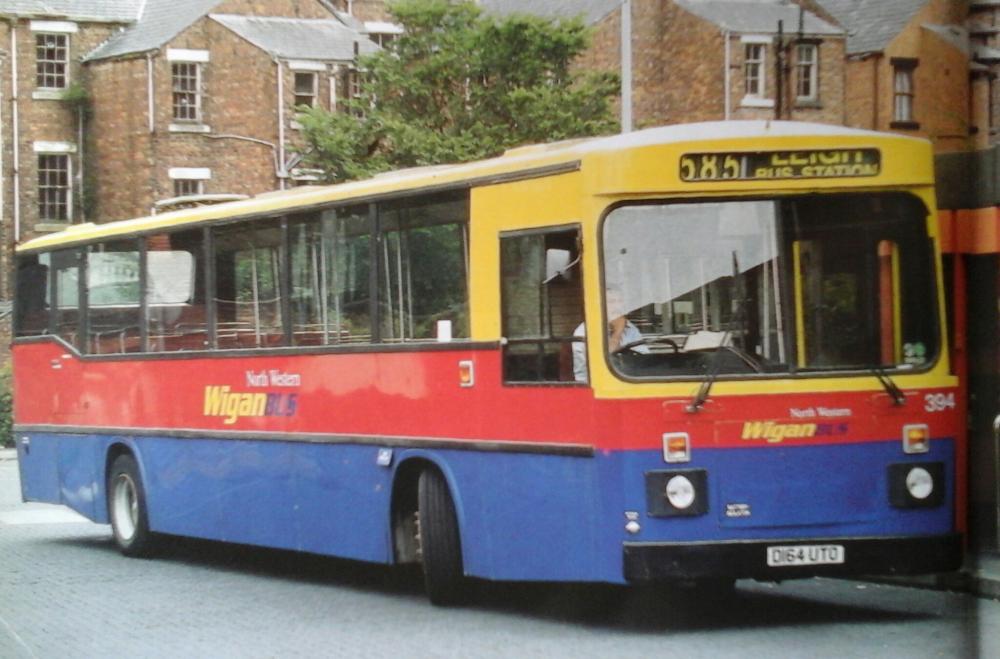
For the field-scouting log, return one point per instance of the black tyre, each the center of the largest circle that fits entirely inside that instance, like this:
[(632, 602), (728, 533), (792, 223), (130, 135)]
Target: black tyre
[(440, 545), (127, 508)]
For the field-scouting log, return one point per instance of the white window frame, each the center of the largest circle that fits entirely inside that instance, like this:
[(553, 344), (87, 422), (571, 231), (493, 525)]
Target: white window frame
[(198, 117), (757, 97), (64, 149), (807, 71), (295, 88), (64, 63)]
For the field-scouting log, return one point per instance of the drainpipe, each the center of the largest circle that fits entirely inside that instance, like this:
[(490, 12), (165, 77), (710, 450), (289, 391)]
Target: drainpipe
[(149, 92), (16, 134), (626, 39), (282, 174), (726, 78)]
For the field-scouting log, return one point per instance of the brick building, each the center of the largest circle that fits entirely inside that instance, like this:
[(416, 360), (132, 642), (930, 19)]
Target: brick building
[(702, 60), (114, 108)]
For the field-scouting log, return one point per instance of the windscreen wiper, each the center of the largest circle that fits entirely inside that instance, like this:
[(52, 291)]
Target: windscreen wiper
[(897, 395), (713, 373)]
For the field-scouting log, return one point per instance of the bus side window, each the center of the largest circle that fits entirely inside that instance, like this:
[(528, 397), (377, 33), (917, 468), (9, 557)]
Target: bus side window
[(175, 291), (423, 277), (113, 297), (540, 310), (31, 302), (249, 262)]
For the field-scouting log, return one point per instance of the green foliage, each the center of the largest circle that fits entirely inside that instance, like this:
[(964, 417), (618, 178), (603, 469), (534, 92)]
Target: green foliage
[(78, 98), (6, 406), (459, 85)]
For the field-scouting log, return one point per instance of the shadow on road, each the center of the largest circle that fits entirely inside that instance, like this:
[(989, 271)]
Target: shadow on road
[(652, 609)]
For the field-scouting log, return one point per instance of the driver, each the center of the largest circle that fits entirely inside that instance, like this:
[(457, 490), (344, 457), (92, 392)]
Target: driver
[(621, 332)]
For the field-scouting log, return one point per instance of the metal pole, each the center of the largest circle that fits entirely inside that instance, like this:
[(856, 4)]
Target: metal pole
[(626, 39)]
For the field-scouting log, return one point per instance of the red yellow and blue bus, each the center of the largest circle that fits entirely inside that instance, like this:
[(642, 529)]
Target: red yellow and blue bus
[(713, 351)]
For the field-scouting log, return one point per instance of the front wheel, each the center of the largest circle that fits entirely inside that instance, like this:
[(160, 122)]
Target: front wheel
[(440, 545), (127, 508)]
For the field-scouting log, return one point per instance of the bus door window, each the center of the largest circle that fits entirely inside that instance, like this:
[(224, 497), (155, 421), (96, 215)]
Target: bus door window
[(347, 272), (64, 296), (175, 291), (31, 314), (307, 301), (423, 278), (541, 310), (113, 297), (248, 275)]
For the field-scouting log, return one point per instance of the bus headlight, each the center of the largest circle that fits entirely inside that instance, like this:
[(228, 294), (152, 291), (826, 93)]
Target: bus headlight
[(916, 484), (919, 483), (680, 492), (676, 493)]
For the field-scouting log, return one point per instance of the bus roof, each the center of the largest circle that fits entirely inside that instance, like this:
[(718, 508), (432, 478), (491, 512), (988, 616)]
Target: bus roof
[(525, 161)]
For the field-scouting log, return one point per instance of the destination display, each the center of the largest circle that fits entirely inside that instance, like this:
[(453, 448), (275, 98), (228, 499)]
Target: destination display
[(774, 165)]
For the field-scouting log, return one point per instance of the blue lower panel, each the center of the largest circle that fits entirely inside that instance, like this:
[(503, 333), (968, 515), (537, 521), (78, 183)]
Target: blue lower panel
[(522, 517)]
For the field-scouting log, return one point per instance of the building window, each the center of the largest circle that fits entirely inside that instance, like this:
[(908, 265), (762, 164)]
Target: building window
[(187, 187), (54, 192), (806, 72), (306, 88), (186, 78), (754, 69), (52, 60), (903, 92)]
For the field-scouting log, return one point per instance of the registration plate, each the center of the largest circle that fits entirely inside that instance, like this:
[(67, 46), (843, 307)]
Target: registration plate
[(792, 555)]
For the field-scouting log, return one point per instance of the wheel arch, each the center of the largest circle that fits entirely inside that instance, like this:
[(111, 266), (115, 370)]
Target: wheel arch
[(404, 501)]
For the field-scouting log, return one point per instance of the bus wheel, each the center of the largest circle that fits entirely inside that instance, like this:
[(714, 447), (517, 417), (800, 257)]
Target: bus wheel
[(127, 508), (440, 546)]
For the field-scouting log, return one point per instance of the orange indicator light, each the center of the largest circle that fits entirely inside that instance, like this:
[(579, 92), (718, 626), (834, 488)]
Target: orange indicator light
[(466, 374), (916, 438)]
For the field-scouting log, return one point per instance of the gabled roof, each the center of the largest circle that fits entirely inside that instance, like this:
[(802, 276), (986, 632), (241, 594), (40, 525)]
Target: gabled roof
[(161, 21), (298, 38), (590, 11), (759, 16), (98, 11), (872, 24)]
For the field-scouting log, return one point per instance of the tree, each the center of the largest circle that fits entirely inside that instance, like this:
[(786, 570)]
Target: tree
[(460, 85)]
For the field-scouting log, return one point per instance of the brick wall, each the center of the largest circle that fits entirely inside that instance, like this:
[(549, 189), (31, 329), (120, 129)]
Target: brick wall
[(239, 108), (41, 118), (941, 82)]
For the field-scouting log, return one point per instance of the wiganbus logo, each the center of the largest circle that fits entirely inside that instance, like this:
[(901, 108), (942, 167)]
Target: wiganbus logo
[(234, 405), (774, 433)]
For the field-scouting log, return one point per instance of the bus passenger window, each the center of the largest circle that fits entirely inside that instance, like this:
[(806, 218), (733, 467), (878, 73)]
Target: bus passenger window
[(31, 316), (248, 263), (305, 251), (347, 271), (113, 298), (424, 278), (175, 291), (541, 310)]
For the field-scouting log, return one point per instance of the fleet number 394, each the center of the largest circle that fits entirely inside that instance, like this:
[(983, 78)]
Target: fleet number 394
[(939, 402)]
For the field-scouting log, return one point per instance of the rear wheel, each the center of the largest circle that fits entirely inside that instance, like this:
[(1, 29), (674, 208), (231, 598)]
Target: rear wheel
[(127, 508), (439, 542)]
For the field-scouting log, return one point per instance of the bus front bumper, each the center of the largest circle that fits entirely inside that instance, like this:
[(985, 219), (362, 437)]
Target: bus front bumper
[(776, 560)]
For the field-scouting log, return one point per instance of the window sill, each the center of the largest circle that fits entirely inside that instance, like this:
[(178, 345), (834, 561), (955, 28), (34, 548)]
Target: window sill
[(295, 125), (756, 102), (904, 125), (189, 128), (51, 227), (48, 94)]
